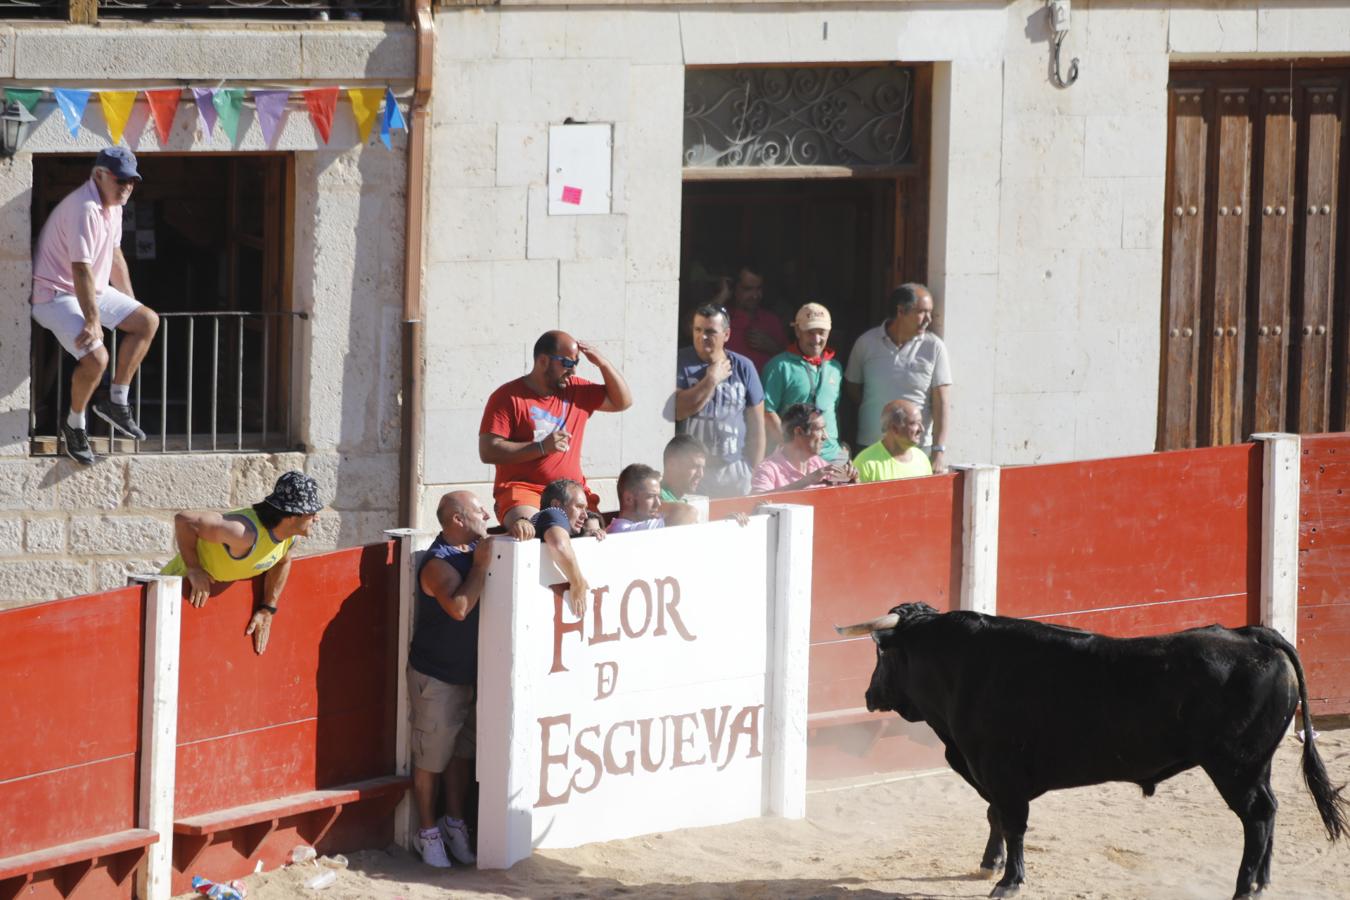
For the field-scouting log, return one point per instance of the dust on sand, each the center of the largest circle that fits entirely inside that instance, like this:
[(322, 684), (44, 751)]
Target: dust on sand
[(913, 837)]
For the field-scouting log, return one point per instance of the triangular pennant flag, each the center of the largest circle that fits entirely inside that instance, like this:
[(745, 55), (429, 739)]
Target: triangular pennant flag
[(365, 106), (271, 110), (28, 98), (322, 102), (206, 110), (392, 118), (116, 110), (72, 102), (163, 109), (229, 102)]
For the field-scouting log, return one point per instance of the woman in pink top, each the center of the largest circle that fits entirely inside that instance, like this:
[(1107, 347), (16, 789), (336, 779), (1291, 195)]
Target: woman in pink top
[(797, 462)]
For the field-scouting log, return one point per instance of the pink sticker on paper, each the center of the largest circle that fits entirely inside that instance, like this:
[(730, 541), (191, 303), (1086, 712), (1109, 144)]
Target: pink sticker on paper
[(571, 195)]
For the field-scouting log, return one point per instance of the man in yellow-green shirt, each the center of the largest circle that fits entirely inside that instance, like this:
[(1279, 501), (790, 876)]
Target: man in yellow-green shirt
[(897, 454), (215, 547)]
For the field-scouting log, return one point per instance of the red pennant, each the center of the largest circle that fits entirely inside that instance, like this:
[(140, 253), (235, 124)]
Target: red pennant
[(322, 102), (163, 108)]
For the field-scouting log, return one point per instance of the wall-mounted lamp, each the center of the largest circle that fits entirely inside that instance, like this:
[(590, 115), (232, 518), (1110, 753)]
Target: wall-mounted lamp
[(13, 121), (1059, 24)]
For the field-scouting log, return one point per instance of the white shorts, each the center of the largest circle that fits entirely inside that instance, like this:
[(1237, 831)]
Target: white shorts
[(63, 318)]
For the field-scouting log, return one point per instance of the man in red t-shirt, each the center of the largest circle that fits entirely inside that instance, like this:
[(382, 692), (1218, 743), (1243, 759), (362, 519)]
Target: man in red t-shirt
[(533, 426)]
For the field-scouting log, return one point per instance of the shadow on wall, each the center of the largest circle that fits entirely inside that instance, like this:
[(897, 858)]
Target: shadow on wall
[(354, 254)]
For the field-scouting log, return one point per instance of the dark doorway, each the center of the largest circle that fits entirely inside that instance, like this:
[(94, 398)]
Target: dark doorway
[(843, 242)]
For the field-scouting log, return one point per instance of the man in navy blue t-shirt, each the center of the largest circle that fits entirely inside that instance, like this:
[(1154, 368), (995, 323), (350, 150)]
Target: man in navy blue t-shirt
[(443, 674), (561, 517), (720, 401)]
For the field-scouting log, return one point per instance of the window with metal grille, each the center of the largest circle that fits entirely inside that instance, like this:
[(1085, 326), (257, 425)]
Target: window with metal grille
[(206, 241), (756, 117)]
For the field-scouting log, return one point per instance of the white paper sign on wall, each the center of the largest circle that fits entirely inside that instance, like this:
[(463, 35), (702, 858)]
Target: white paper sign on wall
[(579, 169), (678, 700)]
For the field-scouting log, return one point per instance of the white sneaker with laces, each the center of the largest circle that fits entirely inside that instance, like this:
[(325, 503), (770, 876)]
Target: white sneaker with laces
[(433, 849), (455, 834)]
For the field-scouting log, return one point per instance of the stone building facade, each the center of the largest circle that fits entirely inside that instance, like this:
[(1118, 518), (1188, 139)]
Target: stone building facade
[(67, 530), (1043, 236)]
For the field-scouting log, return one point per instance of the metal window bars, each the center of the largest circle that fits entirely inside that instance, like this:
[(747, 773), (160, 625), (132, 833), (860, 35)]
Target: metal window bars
[(272, 341)]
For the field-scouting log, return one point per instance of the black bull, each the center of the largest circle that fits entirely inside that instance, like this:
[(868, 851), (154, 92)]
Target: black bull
[(1024, 708)]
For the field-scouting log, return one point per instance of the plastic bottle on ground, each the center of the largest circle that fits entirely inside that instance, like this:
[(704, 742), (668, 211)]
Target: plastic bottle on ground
[(302, 853), (336, 861), (319, 882)]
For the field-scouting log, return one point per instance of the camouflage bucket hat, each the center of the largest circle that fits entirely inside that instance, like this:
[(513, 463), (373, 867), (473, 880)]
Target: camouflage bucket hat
[(295, 494)]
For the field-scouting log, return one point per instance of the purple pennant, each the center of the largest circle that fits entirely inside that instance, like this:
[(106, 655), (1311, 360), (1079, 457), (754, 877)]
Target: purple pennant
[(271, 111), (206, 109)]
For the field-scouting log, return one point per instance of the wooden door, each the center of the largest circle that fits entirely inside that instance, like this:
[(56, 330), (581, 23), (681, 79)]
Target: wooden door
[(1255, 316)]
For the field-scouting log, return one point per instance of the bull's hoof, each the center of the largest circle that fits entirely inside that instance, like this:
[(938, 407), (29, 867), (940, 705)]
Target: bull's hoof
[(1005, 890), (991, 869)]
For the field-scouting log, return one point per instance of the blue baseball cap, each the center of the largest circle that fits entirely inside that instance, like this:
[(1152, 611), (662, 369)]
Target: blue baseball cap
[(118, 160)]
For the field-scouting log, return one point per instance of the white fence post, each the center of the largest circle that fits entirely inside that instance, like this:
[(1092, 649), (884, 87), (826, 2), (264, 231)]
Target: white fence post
[(789, 659), (410, 544), (979, 538), (506, 759), (159, 730), (1279, 532)]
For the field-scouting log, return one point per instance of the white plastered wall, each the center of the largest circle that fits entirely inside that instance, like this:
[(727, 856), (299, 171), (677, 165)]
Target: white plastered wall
[(1046, 227), (66, 530)]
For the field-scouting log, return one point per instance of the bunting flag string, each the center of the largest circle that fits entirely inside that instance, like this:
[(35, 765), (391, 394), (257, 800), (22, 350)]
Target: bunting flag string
[(206, 110), (28, 98), (322, 102), (229, 102), (271, 111), (392, 118), (224, 105), (72, 102), (163, 110), (365, 106), (116, 110)]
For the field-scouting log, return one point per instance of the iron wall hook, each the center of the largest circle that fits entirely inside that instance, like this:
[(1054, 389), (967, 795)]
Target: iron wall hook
[(1060, 81)]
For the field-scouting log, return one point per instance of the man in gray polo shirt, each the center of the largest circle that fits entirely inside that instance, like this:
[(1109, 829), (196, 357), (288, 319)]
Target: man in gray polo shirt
[(901, 359)]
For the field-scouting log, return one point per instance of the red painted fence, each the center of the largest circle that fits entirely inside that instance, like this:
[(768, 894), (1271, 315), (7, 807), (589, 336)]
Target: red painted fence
[(1324, 570), (297, 745)]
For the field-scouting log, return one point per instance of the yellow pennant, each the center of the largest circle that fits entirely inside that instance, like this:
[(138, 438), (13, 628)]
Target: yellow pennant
[(116, 110), (365, 106)]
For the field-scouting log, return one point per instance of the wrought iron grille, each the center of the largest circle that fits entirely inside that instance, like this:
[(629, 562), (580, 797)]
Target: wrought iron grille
[(263, 9), (211, 382), (32, 9), (808, 116)]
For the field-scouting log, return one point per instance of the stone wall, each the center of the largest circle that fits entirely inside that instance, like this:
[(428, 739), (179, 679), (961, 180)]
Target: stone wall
[(65, 529), (1045, 245)]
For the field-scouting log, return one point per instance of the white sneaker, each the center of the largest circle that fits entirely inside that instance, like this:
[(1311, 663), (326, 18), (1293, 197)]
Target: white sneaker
[(456, 835), (433, 849)]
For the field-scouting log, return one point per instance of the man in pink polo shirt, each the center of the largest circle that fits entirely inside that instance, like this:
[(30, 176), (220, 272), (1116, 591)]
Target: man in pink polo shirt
[(81, 285)]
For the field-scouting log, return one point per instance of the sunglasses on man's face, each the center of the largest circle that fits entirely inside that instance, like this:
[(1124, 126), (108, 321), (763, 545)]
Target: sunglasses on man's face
[(566, 362)]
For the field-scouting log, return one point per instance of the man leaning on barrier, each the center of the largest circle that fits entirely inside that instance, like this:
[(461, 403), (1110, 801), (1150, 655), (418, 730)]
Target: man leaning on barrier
[(443, 674), (640, 504), (216, 548), (81, 285), (561, 518)]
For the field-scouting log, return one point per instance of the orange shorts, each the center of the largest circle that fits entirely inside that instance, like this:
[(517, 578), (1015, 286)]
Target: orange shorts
[(511, 494)]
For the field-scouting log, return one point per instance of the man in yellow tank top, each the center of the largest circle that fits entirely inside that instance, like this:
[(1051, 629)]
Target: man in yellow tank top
[(215, 547)]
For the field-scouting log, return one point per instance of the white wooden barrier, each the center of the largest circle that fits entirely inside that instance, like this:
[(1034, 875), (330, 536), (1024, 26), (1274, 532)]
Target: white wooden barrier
[(677, 700)]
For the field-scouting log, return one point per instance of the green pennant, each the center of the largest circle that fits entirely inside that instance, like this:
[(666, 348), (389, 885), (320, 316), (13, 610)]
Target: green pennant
[(27, 97), (228, 103)]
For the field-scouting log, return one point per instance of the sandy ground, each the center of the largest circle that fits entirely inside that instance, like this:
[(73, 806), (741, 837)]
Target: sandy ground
[(916, 837)]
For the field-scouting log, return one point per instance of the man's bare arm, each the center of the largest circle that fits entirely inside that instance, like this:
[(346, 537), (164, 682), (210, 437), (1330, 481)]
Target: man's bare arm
[(441, 580), (260, 625), (559, 543), (188, 527), (773, 429), (92, 333), (941, 410), (120, 276), (854, 391), (496, 450), (617, 395)]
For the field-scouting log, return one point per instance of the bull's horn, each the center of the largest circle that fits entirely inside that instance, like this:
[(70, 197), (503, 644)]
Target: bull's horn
[(890, 620)]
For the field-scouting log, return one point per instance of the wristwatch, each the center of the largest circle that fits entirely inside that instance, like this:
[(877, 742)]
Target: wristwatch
[(270, 610), (939, 448)]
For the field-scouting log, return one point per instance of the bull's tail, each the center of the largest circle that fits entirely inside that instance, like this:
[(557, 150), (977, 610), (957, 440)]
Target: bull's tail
[(1331, 806)]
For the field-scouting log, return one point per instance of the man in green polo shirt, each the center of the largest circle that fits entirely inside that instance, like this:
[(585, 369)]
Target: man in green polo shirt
[(897, 454), (806, 372), (682, 466)]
